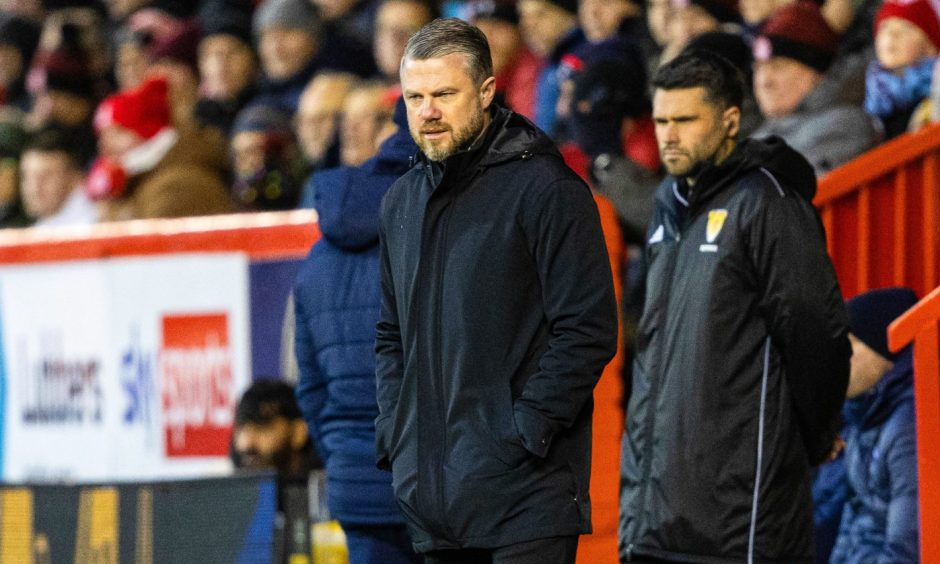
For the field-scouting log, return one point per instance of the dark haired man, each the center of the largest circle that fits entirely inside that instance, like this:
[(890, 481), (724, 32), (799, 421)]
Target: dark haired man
[(498, 316), (51, 181), (270, 434), (742, 351), (270, 431)]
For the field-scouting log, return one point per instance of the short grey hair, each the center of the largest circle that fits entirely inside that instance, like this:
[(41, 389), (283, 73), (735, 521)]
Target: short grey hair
[(445, 36)]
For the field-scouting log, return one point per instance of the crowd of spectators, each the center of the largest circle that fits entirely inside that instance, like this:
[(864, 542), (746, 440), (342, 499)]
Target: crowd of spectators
[(165, 108)]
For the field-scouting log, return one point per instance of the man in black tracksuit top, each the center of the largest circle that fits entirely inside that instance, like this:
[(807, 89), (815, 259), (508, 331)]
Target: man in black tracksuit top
[(498, 316), (743, 356)]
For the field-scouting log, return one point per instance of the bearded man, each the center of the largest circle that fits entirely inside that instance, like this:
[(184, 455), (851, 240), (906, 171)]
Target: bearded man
[(742, 350), (498, 316)]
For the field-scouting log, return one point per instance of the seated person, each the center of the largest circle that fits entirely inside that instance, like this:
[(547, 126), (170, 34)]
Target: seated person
[(791, 56), (515, 67), (366, 122), (51, 181), (148, 169), (12, 139), (907, 36), (293, 46), (19, 38), (270, 432), (64, 90), (266, 159), (609, 121), (879, 518), (606, 19), (691, 18), (550, 29), (395, 22), (227, 63), (316, 122)]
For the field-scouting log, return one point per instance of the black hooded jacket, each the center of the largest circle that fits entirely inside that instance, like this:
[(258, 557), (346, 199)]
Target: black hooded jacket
[(741, 369), (498, 317)]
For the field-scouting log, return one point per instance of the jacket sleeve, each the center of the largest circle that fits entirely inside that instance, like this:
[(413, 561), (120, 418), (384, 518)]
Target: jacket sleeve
[(389, 361), (901, 542), (805, 313), (843, 547), (849, 133), (570, 256), (311, 387)]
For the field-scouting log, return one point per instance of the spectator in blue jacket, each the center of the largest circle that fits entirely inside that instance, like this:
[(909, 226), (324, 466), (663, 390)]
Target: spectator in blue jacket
[(879, 519), (550, 29), (337, 299)]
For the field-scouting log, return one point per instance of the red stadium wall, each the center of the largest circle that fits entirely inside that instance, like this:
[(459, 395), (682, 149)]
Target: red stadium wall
[(262, 236)]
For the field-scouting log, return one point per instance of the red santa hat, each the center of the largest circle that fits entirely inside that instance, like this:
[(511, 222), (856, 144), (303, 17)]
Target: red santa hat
[(145, 109), (922, 13)]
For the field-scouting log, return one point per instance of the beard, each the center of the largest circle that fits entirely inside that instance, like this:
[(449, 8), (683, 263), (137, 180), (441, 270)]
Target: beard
[(279, 460), (459, 140)]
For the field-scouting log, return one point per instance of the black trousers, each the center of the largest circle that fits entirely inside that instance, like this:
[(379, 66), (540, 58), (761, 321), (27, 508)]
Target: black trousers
[(554, 550)]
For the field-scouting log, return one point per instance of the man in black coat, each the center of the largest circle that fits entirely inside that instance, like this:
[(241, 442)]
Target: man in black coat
[(742, 351), (498, 316)]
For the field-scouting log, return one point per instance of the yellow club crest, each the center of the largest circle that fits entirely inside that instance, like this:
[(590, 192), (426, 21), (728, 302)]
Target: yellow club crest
[(716, 220)]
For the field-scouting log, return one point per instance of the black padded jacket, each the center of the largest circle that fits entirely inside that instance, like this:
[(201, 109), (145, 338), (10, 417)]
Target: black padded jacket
[(741, 369), (498, 317)]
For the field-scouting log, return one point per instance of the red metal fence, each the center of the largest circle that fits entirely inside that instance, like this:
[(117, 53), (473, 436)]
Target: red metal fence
[(882, 215), (920, 326)]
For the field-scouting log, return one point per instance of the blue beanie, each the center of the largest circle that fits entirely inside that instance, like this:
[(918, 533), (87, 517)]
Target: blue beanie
[(871, 313)]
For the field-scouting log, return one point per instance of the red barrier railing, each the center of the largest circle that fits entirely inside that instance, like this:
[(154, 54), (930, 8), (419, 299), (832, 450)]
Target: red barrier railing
[(882, 215), (920, 326), (263, 236)]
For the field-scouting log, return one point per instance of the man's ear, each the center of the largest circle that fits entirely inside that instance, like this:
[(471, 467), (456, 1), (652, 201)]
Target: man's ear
[(487, 92), (731, 121), (298, 434)]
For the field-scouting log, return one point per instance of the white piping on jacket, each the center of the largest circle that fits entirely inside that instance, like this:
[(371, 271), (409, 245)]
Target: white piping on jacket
[(675, 190), (774, 180), (760, 451)]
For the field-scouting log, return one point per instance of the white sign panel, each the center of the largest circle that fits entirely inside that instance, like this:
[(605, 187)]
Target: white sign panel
[(123, 369)]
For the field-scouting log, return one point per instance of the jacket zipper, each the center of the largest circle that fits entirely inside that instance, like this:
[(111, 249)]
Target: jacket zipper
[(442, 252), (438, 340), (654, 391)]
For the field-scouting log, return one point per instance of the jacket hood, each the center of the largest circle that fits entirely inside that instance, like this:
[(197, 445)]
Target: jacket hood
[(771, 153), (347, 199), (509, 136), (895, 387)]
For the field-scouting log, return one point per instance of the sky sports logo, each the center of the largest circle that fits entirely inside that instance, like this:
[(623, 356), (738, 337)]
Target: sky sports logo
[(197, 388)]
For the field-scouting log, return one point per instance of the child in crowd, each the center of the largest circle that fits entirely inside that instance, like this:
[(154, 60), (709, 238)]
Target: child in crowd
[(879, 518), (907, 38)]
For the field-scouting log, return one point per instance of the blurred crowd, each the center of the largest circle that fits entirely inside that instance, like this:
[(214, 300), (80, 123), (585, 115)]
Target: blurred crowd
[(127, 109)]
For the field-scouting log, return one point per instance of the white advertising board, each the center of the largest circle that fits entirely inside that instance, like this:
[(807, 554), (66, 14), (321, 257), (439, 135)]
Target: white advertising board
[(123, 369)]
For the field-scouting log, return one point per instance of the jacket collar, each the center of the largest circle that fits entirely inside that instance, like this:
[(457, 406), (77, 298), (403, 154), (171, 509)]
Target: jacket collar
[(509, 136)]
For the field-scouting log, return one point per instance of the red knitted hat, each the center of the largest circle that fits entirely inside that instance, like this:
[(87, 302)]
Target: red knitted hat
[(145, 110), (798, 32), (922, 13)]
